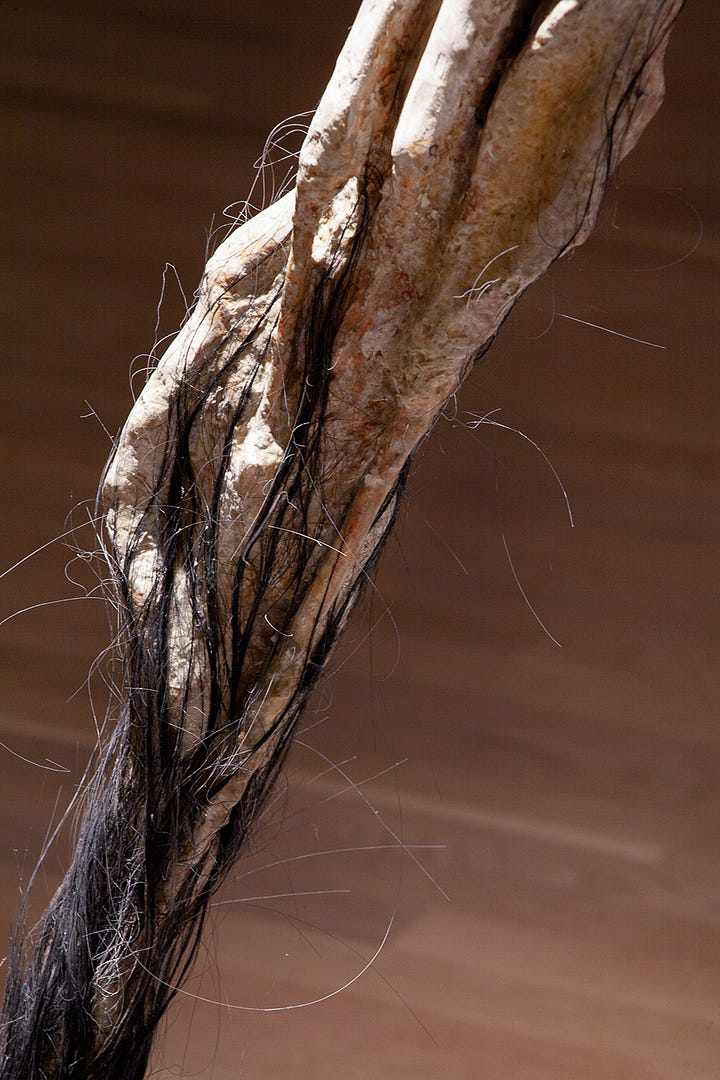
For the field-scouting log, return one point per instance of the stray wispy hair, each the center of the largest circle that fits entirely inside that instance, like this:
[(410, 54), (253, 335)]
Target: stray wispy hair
[(107, 943), (87, 987)]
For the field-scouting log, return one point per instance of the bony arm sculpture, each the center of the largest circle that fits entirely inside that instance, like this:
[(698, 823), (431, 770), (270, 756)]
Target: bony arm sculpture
[(461, 147)]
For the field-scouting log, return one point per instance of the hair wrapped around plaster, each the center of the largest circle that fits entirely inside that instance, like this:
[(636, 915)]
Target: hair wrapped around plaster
[(259, 473)]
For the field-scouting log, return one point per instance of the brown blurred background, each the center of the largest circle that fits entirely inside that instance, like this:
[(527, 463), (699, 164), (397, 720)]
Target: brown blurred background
[(556, 912)]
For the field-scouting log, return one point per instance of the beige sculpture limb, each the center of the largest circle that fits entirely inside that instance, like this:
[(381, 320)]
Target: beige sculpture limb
[(470, 197), (460, 148)]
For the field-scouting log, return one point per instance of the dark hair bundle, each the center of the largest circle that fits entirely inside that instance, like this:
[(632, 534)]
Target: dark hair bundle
[(258, 476), (187, 762)]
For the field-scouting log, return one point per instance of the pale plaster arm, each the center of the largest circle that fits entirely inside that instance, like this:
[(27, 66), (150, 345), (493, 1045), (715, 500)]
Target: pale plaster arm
[(460, 148)]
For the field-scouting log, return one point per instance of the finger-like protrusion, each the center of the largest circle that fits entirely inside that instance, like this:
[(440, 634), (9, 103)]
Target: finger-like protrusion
[(360, 97), (461, 63), (567, 110), (353, 125), (355, 114), (436, 139)]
